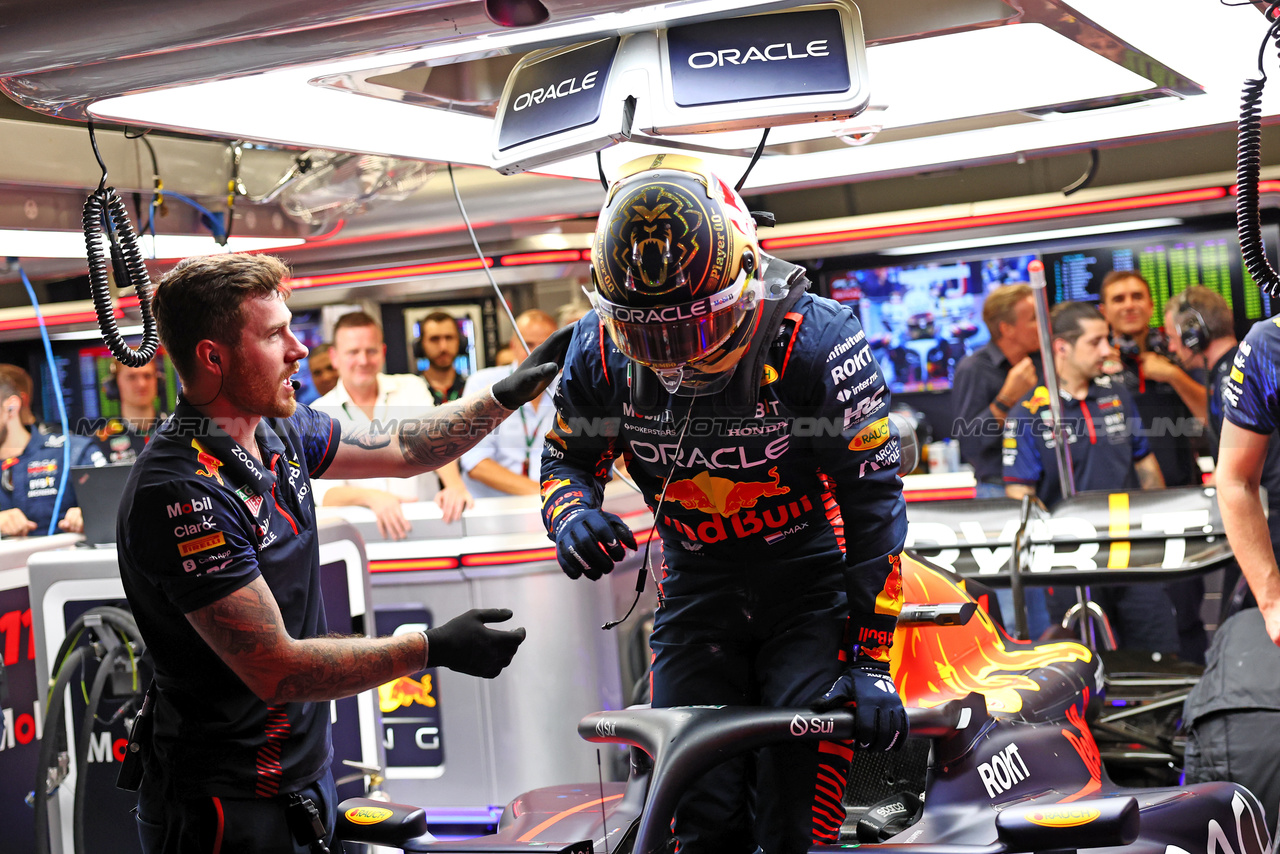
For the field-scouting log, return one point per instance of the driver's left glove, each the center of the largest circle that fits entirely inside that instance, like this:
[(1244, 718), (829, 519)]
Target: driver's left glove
[(867, 690)]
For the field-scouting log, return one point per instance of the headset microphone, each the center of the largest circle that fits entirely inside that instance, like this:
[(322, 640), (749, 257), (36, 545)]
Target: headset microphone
[(297, 386)]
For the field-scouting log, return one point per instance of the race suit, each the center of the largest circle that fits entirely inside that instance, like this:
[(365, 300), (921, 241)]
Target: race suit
[(759, 604)]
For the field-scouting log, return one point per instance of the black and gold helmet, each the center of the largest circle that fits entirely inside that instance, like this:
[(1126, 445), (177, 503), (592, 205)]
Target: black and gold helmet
[(675, 261)]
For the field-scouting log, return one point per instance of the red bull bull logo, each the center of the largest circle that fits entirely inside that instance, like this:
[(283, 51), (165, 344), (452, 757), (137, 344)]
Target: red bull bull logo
[(722, 495), (550, 485), (877, 653), (889, 599), (209, 461), (1038, 399), (404, 692)]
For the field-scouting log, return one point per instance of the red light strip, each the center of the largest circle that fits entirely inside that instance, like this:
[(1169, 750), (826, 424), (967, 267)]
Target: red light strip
[(954, 223), (389, 273), (413, 564), (560, 256), (914, 495), (497, 558), (51, 320)]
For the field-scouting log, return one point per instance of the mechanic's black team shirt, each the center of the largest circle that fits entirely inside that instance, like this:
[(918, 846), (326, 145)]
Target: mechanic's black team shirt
[(31, 480), (1104, 436), (200, 519)]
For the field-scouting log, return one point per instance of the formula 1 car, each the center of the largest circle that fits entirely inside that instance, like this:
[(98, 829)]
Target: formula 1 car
[(1005, 760)]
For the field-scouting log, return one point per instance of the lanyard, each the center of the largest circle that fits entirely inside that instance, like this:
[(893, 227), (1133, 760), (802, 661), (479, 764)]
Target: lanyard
[(529, 439)]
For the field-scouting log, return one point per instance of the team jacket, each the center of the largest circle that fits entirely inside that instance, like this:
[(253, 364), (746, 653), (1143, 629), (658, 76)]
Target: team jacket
[(30, 481), (817, 452), (1105, 438)]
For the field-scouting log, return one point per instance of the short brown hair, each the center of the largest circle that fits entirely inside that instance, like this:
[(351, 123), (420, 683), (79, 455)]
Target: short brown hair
[(1066, 318), (1000, 305), (441, 317), (354, 320), (14, 380), (1119, 276), (1218, 319), (201, 298)]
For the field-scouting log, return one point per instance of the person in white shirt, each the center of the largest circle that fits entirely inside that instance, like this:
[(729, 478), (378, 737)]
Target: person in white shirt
[(506, 461), (364, 394)]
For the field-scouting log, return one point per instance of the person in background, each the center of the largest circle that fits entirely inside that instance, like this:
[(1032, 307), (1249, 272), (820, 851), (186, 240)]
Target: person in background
[(571, 312), (220, 561), (324, 376), (988, 382), (365, 394), (1202, 336), (1108, 452), (123, 438), (1172, 404), (440, 343), (507, 461), (31, 466), (21, 380)]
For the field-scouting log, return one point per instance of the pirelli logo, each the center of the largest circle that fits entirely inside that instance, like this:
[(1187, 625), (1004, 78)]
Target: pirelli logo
[(201, 544)]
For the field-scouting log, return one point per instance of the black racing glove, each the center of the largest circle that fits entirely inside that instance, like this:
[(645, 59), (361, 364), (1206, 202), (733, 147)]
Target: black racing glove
[(535, 373), (589, 542), (467, 645), (879, 721)]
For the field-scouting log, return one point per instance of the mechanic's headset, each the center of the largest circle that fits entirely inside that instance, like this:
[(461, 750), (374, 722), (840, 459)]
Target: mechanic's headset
[(1192, 329)]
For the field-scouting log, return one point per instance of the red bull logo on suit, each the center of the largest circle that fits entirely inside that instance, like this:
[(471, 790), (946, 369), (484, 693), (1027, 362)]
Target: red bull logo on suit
[(722, 495)]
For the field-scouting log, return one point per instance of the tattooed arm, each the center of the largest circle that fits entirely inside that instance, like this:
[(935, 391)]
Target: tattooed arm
[(440, 436), (247, 632)]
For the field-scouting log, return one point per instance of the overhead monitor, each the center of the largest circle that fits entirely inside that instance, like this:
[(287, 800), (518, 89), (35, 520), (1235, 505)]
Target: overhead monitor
[(922, 319)]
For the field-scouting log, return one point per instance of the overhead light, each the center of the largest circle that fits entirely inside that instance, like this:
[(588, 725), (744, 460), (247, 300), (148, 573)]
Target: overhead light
[(1031, 237), (24, 243), (92, 334)]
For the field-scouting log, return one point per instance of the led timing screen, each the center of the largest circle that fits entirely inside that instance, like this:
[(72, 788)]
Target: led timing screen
[(922, 319), (1170, 263)]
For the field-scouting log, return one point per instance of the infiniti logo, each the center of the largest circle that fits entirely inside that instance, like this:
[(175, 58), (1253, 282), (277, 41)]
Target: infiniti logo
[(772, 53), (606, 729)]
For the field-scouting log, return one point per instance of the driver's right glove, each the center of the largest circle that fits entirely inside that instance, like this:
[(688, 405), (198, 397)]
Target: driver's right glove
[(867, 690), (590, 541)]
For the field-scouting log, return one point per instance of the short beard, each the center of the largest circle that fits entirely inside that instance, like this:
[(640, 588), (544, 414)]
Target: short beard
[(254, 394)]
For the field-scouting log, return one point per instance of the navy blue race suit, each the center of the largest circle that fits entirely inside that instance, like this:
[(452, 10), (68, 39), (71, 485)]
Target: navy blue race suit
[(30, 481), (759, 602), (201, 518)]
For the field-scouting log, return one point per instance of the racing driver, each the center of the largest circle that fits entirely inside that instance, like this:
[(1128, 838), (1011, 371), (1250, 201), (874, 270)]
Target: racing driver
[(753, 418)]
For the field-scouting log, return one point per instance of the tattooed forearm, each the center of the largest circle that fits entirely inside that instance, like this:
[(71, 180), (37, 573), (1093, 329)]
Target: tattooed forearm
[(363, 437), (450, 430), (246, 631)]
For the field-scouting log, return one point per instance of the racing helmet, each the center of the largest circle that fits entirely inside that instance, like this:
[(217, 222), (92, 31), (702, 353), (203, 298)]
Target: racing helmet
[(676, 264)]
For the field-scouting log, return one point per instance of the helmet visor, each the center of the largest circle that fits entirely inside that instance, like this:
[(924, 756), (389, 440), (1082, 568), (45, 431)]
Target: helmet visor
[(665, 337)]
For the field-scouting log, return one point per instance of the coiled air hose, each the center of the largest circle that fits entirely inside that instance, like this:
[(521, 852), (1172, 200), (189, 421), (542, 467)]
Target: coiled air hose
[(1248, 169), (106, 220)]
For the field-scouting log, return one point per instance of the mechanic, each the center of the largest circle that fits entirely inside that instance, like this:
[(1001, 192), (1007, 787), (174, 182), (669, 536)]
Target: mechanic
[(1202, 336), (220, 562), (365, 394), (123, 438), (31, 471), (1108, 452), (1246, 450), (506, 462), (987, 383), (753, 417), (1172, 405), (440, 343)]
